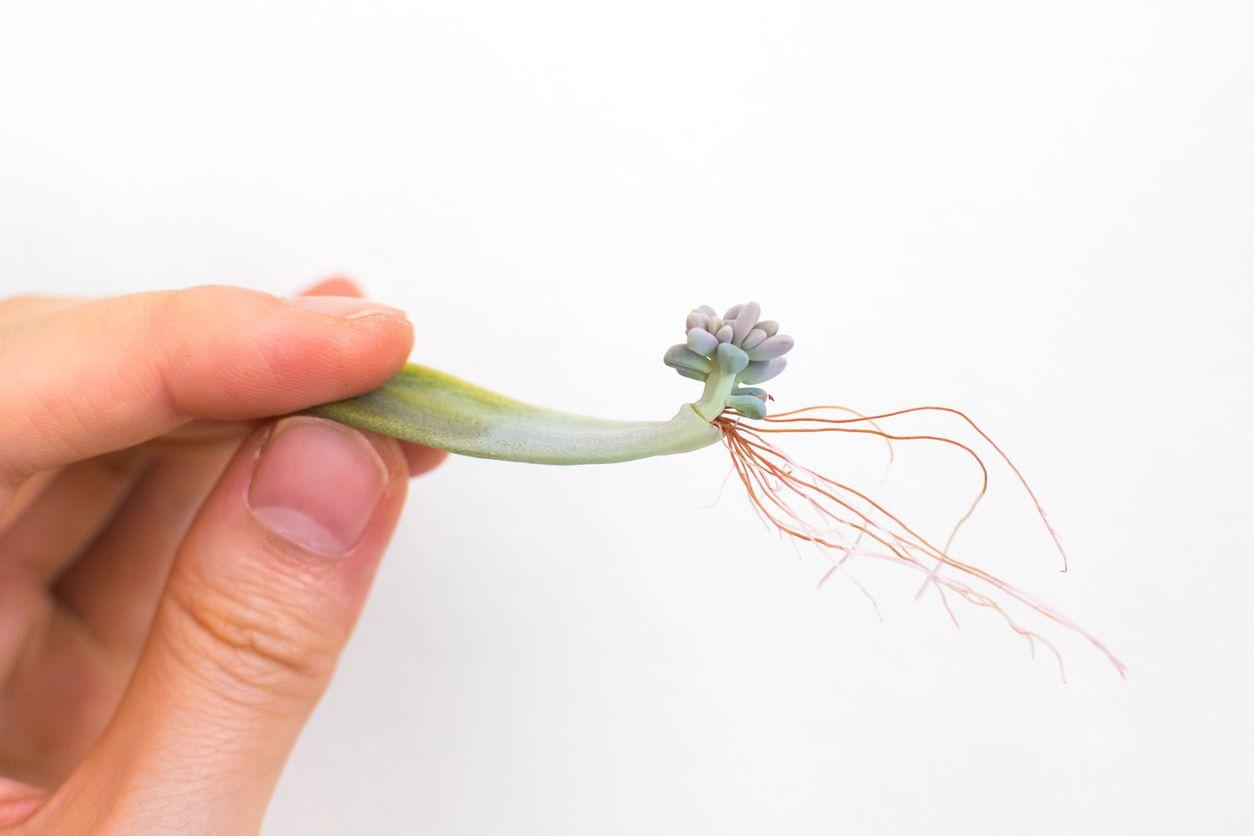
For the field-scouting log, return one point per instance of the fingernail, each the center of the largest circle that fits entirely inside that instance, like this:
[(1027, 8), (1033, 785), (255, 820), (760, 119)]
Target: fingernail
[(344, 307), (316, 484)]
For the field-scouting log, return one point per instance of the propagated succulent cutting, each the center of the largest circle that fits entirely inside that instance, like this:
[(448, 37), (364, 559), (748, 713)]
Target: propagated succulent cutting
[(728, 354), (429, 407)]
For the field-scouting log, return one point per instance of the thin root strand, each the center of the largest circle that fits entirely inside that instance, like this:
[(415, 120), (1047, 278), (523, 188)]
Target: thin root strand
[(810, 507)]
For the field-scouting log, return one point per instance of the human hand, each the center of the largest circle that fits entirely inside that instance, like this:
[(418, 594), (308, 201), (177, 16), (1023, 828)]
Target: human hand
[(178, 576)]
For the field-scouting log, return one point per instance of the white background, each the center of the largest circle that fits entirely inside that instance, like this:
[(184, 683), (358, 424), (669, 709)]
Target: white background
[(1039, 212)]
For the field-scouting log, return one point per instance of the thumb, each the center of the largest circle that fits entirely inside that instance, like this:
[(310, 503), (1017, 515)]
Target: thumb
[(261, 599)]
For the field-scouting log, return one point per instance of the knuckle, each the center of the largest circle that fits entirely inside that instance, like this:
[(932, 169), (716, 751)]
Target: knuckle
[(210, 303), (202, 340), (174, 312), (246, 640), (23, 307)]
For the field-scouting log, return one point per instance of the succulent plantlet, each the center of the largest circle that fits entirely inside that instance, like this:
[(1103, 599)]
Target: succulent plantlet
[(740, 348), (729, 354)]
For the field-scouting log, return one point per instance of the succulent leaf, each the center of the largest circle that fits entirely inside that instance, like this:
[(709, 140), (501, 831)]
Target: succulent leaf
[(731, 359), (702, 341), (746, 318), (691, 374), (756, 336), (682, 355), (772, 347), (748, 406), (760, 371)]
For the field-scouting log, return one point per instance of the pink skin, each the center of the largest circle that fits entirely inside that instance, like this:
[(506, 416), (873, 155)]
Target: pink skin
[(174, 568)]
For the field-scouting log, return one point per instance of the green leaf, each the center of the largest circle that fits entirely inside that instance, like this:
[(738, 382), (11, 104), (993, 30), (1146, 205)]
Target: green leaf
[(436, 409)]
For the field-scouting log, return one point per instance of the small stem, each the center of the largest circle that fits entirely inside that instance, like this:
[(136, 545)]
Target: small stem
[(718, 387)]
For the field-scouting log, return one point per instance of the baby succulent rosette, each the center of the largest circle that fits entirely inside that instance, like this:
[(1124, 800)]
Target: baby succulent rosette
[(728, 352)]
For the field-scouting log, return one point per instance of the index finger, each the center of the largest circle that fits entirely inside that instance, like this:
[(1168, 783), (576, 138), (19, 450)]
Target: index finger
[(83, 379)]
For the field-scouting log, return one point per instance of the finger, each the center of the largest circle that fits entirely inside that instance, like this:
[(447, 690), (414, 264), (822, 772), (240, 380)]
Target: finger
[(260, 601), (75, 505), (17, 308), (24, 496), (114, 574), (422, 459), (18, 802), (113, 587), (117, 539), (334, 286), (80, 644), (109, 374), (59, 689)]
